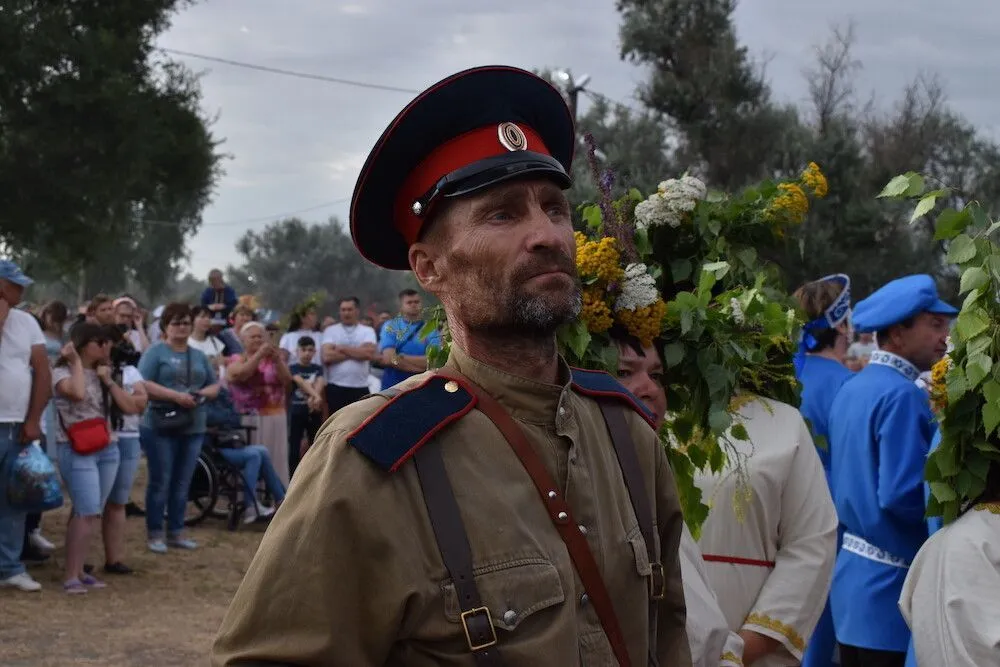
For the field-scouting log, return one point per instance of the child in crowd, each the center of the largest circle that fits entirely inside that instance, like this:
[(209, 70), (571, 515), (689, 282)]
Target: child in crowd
[(306, 404)]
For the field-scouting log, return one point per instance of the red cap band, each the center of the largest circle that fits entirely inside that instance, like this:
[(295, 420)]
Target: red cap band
[(459, 152)]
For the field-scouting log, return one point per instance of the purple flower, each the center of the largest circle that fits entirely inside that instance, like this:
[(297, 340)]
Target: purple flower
[(614, 223)]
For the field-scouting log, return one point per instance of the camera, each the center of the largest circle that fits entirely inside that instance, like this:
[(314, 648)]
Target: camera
[(123, 353)]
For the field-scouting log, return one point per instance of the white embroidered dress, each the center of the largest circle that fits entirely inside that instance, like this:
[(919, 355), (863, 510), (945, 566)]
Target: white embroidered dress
[(770, 548), (951, 596)]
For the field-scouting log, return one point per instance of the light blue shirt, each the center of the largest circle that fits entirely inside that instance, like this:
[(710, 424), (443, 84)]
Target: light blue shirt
[(167, 368), (821, 379)]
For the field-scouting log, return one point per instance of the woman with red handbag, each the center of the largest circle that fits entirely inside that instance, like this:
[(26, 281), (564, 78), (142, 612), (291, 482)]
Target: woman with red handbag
[(83, 390)]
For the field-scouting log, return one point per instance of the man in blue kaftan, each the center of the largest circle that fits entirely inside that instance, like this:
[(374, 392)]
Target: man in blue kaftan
[(880, 433)]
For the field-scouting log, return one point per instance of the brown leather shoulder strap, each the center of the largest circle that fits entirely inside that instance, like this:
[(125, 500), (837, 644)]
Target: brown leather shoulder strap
[(453, 543), (559, 511), (635, 482)]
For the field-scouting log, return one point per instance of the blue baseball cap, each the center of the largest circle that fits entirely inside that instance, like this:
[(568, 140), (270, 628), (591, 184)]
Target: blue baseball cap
[(12, 272), (900, 300)]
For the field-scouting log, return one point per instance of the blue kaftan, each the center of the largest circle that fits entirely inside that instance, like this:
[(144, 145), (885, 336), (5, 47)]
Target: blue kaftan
[(879, 442)]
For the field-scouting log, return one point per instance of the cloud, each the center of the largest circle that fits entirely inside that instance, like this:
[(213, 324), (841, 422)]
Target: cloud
[(298, 143)]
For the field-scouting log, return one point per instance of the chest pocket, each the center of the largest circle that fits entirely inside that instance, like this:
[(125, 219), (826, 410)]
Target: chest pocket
[(512, 591)]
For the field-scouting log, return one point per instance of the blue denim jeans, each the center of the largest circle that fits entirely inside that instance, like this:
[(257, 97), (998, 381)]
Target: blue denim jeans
[(88, 478), (171, 459), (11, 522), (129, 455), (254, 461)]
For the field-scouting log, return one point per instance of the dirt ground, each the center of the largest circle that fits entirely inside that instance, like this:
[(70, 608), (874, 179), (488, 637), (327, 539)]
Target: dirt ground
[(164, 615)]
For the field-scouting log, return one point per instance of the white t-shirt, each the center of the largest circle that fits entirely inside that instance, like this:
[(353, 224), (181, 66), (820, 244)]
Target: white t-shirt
[(290, 343), (130, 423), (136, 338), (20, 333), (211, 346), (350, 372)]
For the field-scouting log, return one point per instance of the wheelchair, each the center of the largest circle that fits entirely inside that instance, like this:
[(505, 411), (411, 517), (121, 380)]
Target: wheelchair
[(216, 478)]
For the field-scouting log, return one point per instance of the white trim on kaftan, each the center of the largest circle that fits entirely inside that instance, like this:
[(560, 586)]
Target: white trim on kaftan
[(778, 520), (951, 597), (712, 643)]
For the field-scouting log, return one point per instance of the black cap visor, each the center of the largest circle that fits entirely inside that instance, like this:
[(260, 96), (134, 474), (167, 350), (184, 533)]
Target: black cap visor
[(493, 171)]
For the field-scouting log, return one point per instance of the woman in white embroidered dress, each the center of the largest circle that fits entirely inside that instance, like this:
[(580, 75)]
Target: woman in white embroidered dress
[(770, 540), (713, 644)]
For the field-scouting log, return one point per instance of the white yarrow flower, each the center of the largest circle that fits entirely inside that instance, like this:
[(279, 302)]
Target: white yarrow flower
[(638, 289), (672, 201), (738, 316)]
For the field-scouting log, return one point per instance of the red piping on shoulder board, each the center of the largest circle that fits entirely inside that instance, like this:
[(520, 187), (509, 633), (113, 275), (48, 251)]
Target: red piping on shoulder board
[(641, 409)]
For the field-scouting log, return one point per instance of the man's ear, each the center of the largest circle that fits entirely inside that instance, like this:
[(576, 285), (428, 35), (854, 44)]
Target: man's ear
[(425, 262)]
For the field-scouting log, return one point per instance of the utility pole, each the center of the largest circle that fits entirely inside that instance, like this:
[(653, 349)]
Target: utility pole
[(573, 88)]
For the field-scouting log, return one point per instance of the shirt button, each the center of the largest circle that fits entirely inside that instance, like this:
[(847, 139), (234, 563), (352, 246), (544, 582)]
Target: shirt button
[(509, 617), (562, 411), (584, 599), (583, 529)]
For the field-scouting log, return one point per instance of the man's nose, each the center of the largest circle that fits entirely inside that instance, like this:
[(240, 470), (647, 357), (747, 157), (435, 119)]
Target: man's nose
[(545, 233)]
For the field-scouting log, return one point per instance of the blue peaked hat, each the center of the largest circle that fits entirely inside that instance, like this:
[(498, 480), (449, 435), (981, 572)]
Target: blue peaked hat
[(900, 300)]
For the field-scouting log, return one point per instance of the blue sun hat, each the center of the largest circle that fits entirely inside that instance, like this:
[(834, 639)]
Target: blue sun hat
[(11, 272), (900, 300)]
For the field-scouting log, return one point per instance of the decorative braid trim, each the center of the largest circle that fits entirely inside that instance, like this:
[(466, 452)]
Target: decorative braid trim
[(783, 629), (730, 659), (992, 508)]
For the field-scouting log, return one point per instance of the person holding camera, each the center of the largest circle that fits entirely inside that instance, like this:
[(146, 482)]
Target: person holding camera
[(84, 390), (129, 317), (178, 379)]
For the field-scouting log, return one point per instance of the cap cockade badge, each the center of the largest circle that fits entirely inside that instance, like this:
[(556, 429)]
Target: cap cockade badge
[(511, 137)]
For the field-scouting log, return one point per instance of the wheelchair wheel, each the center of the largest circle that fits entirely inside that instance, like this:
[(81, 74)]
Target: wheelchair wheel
[(204, 492)]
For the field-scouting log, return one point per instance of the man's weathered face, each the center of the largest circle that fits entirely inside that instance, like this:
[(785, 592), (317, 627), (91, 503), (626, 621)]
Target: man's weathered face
[(924, 343), (507, 260)]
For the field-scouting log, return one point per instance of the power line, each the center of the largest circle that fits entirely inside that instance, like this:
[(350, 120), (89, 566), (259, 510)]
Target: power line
[(288, 72)]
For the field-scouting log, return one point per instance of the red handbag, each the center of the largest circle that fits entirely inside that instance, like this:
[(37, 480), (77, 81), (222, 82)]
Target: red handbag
[(89, 436)]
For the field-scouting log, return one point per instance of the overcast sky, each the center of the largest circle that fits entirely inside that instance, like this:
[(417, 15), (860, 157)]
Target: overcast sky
[(296, 145)]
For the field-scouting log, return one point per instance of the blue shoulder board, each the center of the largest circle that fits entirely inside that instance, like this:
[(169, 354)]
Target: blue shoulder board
[(601, 385), (392, 435)]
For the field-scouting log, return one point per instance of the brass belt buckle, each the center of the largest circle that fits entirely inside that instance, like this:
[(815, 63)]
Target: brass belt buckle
[(657, 582), (477, 612)]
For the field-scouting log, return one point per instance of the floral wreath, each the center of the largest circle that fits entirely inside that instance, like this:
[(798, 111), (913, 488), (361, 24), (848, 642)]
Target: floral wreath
[(965, 384), (682, 267)]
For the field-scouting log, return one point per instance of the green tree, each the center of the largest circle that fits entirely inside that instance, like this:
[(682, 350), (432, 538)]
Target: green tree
[(290, 260), (103, 150)]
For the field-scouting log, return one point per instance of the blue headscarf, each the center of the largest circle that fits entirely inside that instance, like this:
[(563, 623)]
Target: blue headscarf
[(836, 313)]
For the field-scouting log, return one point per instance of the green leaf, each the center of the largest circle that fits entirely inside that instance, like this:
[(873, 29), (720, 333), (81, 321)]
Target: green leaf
[(915, 184), (718, 269), (978, 345), (642, 244), (748, 256), (673, 354), (977, 368), (946, 460), (978, 465), (924, 206), (943, 492), (972, 278), (957, 385), (716, 378), (991, 390), (971, 298), (705, 285), (897, 187), (991, 417), (739, 432), (592, 216), (993, 261), (950, 224), (680, 269), (577, 338), (719, 420), (971, 323), (962, 249)]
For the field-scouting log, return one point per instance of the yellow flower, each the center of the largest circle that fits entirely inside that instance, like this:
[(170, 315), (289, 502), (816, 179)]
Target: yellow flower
[(644, 323), (939, 384), (596, 313), (598, 259), (814, 179), (791, 205)]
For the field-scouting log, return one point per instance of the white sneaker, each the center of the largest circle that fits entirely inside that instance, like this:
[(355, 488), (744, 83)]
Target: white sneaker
[(39, 542), (249, 515), (264, 511), (22, 582)]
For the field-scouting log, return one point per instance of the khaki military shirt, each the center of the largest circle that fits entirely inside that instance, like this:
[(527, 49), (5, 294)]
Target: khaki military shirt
[(349, 572)]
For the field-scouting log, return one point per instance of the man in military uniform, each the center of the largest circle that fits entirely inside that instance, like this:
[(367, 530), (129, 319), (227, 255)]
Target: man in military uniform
[(490, 513)]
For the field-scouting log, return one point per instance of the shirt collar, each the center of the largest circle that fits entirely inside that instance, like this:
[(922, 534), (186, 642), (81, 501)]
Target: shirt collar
[(896, 362), (525, 399)]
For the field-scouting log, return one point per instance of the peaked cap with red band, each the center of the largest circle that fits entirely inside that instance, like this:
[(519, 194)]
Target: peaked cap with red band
[(464, 134)]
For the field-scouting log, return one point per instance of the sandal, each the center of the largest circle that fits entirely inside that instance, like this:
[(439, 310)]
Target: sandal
[(92, 582), (74, 587), (118, 568)]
